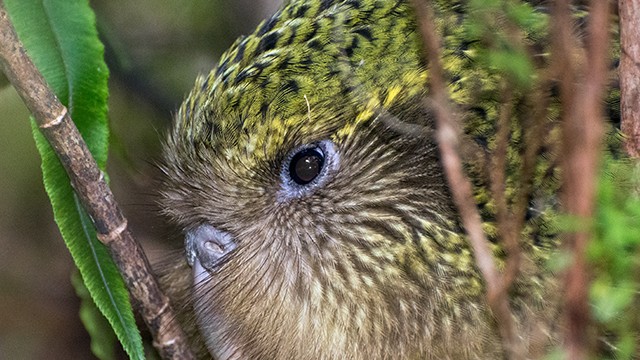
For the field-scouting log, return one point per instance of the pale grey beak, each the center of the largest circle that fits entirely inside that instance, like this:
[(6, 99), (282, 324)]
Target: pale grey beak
[(207, 247)]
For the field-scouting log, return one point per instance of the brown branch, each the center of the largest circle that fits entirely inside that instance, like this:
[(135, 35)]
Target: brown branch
[(448, 130), (511, 224), (88, 181), (629, 11), (581, 92), (534, 130), (508, 228)]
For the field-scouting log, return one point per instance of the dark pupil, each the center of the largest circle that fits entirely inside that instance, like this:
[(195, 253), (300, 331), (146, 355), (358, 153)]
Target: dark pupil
[(306, 165)]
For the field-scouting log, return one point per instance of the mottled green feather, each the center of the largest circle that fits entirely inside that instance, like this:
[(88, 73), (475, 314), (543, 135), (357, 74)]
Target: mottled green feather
[(300, 65)]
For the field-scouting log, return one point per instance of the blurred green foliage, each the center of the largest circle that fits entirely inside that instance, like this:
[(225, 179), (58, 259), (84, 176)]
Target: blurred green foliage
[(614, 255), (503, 28)]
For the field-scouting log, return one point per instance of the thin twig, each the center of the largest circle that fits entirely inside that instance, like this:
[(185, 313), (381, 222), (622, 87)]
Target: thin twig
[(505, 219), (581, 92), (509, 222), (533, 133), (448, 129), (629, 11), (88, 181)]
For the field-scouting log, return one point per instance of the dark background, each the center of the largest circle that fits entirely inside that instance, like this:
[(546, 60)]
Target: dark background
[(155, 49)]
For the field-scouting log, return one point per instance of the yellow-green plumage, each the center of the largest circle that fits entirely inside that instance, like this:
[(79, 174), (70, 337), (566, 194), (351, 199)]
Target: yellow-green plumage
[(370, 262), (311, 52)]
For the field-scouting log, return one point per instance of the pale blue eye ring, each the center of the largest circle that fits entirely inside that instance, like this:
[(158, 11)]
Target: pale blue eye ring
[(307, 168)]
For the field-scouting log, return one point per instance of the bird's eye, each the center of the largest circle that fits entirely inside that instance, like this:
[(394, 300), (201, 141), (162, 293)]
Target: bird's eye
[(307, 168), (306, 165)]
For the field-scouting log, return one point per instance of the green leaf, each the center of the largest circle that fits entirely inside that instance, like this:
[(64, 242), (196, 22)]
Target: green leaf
[(102, 336), (3, 81), (61, 38)]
